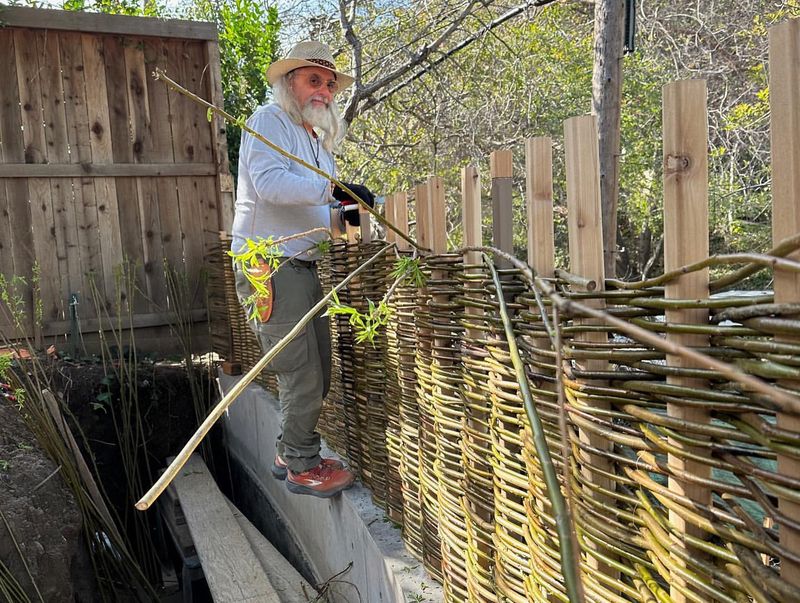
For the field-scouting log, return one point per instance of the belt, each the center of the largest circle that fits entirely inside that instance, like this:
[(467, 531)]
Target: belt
[(303, 263)]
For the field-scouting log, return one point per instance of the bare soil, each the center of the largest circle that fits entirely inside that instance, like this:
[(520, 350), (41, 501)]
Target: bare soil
[(39, 507)]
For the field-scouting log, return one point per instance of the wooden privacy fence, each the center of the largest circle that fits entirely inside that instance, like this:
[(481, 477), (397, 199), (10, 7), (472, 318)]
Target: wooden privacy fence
[(100, 165), (683, 479)]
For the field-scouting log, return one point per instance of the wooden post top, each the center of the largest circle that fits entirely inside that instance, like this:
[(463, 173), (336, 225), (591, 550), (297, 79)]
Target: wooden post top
[(500, 164)]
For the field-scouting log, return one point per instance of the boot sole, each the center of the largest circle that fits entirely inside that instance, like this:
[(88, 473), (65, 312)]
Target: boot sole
[(279, 472), (298, 489)]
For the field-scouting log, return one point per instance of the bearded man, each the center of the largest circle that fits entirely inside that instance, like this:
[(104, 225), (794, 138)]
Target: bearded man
[(278, 197)]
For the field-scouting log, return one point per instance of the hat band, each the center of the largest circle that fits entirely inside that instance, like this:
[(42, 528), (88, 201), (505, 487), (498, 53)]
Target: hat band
[(323, 62)]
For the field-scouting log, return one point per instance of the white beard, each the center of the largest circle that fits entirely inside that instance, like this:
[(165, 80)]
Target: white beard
[(321, 118)]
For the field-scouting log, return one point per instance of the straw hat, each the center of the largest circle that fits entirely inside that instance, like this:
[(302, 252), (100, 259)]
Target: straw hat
[(308, 54)]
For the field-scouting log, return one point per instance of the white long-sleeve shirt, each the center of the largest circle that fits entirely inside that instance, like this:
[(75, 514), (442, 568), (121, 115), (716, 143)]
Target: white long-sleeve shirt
[(276, 196)]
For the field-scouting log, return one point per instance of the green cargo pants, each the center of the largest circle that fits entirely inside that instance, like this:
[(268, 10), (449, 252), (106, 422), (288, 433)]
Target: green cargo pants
[(302, 368)]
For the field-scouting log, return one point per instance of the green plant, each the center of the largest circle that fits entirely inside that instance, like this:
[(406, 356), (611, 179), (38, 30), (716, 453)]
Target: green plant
[(366, 325), (4, 465), (408, 271)]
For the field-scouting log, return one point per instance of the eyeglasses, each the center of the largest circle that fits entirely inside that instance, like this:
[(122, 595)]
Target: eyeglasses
[(315, 81)]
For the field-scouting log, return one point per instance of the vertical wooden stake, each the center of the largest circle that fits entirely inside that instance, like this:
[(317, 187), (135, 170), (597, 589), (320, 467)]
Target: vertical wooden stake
[(784, 100), (500, 171), (586, 259), (539, 177), (422, 210), (365, 219), (337, 228), (438, 215), (388, 213), (401, 219), (686, 241)]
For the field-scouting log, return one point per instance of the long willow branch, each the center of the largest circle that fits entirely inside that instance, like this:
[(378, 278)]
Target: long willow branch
[(180, 460), (569, 559), (159, 74), (780, 400)]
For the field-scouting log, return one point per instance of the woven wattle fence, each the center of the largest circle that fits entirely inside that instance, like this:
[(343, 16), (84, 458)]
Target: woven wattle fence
[(682, 477)]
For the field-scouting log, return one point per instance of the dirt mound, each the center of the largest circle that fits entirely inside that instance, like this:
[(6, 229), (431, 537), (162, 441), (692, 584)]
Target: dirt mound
[(43, 516)]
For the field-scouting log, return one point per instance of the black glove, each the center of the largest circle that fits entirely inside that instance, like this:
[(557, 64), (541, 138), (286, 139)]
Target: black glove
[(349, 207)]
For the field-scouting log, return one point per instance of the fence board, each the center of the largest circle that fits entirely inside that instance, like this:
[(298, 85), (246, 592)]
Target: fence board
[(16, 258), (686, 241), (88, 165), (69, 273), (127, 193), (784, 53), (144, 144), (78, 134), (30, 97), (101, 148)]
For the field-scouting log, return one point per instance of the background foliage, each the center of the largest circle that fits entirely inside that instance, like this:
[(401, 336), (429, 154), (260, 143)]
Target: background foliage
[(442, 83)]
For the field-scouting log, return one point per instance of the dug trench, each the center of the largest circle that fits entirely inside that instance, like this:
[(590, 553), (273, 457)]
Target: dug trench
[(126, 430)]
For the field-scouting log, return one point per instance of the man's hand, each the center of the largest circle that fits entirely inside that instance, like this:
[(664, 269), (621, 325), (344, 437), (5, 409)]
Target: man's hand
[(349, 206)]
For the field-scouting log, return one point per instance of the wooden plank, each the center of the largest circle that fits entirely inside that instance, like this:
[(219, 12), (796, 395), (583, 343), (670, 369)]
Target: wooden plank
[(190, 129), (288, 582), (123, 152), (41, 210), (144, 149), (471, 216), (16, 247), (586, 259), (388, 214), (192, 234), (35, 18), (170, 219), (437, 212), (136, 321), (84, 204), (423, 213), (365, 225), (101, 147), (401, 219), (219, 141), (70, 271), (44, 241), (500, 163), (784, 82), (231, 568), (100, 170), (539, 179), (30, 96), (685, 242)]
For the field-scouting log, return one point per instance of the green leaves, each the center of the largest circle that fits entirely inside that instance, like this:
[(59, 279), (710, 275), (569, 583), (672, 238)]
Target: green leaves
[(366, 326), (409, 270)]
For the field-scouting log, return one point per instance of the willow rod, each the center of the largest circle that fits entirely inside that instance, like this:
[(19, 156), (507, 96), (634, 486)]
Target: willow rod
[(569, 560), (180, 460), (781, 400), (160, 74)]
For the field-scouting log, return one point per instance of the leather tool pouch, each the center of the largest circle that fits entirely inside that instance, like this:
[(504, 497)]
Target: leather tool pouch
[(264, 303)]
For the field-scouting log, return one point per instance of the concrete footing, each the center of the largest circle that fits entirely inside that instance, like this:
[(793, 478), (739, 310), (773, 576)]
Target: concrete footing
[(330, 533)]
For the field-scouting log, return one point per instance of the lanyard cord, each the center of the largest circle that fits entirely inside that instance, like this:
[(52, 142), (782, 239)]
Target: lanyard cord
[(314, 152)]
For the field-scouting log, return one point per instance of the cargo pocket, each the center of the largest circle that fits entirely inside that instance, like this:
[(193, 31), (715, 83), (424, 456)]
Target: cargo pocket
[(294, 356)]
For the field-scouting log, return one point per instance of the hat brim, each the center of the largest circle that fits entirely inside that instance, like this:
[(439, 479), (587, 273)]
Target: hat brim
[(283, 66)]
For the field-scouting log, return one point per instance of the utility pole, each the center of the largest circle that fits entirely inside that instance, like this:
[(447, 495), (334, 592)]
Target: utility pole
[(609, 29)]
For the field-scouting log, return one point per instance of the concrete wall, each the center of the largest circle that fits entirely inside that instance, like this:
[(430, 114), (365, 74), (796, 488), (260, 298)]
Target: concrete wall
[(330, 532)]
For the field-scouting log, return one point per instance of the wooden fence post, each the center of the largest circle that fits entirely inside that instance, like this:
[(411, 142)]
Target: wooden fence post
[(500, 170), (586, 259), (422, 211), (401, 220), (685, 242), (388, 213), (541, 257), (539, 176), (784, 97)]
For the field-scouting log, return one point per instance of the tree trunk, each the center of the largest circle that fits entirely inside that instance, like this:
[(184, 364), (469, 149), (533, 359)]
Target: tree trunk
[(609, 26)]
